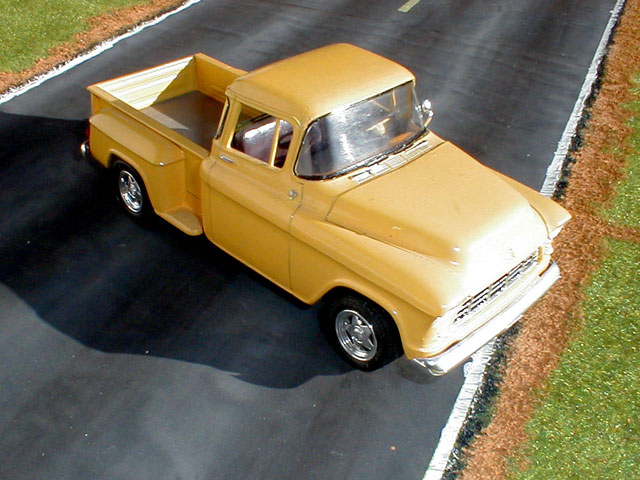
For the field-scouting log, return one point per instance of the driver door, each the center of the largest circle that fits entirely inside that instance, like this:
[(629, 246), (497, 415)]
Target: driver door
[(252, 195)]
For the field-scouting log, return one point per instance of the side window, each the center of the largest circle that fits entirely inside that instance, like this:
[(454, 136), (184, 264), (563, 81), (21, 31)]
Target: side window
[(262, 136)]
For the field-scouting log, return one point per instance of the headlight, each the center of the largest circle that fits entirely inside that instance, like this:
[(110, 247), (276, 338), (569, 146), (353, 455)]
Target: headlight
[(443, 324), (555, 232), (546, 248)]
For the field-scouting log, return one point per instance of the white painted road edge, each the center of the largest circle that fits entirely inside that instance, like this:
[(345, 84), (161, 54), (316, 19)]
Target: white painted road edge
[(554, 171), (475, 371), (474, 375), (97, 50)]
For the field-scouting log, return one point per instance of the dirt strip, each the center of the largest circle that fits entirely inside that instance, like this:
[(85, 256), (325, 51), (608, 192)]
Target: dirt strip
[(101, 28), (548, 326)]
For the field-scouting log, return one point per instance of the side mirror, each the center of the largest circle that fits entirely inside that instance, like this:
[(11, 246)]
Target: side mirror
[(427, 112)]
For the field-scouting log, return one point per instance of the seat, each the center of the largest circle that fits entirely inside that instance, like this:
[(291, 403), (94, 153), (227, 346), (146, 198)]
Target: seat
[(255, 139)]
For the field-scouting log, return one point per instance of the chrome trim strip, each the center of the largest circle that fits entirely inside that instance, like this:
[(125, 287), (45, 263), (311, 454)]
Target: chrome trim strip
[(459, 352)]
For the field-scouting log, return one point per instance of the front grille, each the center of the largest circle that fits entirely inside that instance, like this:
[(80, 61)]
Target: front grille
[(486, 296)]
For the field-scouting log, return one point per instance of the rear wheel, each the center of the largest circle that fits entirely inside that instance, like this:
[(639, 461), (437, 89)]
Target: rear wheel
[(130, 191), (361, 331)]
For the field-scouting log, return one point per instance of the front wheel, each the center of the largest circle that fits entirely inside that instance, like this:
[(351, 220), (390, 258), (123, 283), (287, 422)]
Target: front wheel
[(130, 191), (362, 332)]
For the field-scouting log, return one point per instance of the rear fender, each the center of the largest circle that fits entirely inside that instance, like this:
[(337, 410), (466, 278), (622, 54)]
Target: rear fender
[(159, 162)]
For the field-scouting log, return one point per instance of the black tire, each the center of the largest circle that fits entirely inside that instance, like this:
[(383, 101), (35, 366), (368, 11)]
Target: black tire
[(130, 192), (361, 332)]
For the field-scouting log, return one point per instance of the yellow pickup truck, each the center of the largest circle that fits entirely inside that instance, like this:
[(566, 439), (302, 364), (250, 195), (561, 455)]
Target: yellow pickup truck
[(319, 172)]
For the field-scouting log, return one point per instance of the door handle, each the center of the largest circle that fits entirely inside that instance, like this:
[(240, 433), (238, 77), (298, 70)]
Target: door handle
[(292, 194), (227, 159)]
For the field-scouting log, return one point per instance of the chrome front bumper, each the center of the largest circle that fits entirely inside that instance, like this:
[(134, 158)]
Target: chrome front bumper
[(459, 352)]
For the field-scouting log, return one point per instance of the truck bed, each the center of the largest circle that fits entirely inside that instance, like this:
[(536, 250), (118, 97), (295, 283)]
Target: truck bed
[(186, 96), (193, 115)]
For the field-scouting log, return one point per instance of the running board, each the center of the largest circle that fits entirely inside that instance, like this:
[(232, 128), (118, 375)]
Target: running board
[(184, 219)]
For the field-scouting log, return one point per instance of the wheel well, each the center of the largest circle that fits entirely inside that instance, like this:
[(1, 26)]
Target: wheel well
[(338, 292), (113, 158), (386, 329)]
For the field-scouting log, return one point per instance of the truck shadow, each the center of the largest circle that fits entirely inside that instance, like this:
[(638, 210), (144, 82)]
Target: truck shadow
[(119, 287)]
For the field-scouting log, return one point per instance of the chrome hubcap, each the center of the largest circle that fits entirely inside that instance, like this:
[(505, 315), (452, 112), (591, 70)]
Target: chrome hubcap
[(130, 191), (356, 335)]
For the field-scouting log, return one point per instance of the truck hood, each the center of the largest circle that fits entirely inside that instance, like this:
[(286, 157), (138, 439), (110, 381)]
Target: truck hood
[(446, 205)]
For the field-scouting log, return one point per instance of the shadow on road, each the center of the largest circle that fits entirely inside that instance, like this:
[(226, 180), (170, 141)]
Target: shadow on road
[(118, 287)]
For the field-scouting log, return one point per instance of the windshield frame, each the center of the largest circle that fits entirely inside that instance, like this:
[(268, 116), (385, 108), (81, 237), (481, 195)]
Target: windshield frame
[(370, 160)]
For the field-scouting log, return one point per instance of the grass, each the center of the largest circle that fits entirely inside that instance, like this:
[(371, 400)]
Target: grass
[(30, 28), (587, 425), (625, 210)]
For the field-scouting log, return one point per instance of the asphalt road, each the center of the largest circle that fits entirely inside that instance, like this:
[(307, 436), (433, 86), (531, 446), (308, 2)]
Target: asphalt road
[(130, 352)]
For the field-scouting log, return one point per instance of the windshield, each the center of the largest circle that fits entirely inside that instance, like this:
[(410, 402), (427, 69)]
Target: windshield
[(359, 134)]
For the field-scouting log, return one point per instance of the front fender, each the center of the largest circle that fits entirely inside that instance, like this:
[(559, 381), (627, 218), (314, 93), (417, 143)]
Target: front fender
[(553, 215), (426, 282), (413, 289)]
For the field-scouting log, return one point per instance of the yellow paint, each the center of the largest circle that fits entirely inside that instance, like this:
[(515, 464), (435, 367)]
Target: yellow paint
[(431, 229)]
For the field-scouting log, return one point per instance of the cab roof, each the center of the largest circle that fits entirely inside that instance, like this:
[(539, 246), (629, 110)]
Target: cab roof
[(315, 83)]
